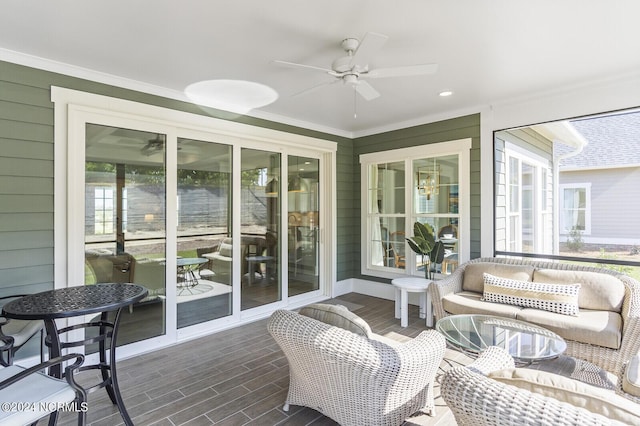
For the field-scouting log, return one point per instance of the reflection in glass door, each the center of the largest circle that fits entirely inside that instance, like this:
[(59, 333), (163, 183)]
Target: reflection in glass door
[(204, 264), (303, 225), (260, 228), (125, 221)]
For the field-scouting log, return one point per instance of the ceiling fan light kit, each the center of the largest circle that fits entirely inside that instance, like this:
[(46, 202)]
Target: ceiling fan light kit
[(353, 68)]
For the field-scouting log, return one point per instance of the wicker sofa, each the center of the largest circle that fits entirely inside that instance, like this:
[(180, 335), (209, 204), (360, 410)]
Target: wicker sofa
[(490, 391), (606, 330), (351, 375)]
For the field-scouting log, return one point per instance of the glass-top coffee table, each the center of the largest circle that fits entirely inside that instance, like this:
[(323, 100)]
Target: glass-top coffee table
[(525, 342)]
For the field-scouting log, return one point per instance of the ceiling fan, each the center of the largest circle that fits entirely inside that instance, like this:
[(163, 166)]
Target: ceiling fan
[(153, 146), (353, 69)]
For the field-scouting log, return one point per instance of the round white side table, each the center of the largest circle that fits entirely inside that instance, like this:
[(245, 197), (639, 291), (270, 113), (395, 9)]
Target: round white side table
[(406, 285)]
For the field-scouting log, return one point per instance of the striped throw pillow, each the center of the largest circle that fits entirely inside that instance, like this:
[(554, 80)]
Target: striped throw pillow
[(558, 298)]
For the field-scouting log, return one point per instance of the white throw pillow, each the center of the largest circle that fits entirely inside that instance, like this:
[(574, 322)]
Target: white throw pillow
[(558, 298)]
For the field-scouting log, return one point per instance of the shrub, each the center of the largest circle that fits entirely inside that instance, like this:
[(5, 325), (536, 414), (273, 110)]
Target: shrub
[(574, 242)]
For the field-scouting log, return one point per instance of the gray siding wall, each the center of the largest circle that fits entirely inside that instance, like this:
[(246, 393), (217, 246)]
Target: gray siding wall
[(27, 171), (614, 193), (26, 184), (442, 131)]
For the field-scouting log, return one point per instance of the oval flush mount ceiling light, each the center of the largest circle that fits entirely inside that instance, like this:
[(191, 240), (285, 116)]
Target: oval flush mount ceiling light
[(237, 96), (445, 93)]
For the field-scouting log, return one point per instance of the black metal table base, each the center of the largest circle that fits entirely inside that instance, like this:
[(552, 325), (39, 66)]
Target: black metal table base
[(107, 332)]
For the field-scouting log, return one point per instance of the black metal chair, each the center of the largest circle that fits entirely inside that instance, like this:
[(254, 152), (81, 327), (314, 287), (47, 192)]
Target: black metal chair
[(29, 394), (15, 333)]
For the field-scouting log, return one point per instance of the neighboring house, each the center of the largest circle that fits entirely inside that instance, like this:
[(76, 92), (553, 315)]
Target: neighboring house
[(599, 183)]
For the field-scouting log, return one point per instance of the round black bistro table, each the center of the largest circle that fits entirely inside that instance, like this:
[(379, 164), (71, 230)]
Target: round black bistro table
[(76, 301)]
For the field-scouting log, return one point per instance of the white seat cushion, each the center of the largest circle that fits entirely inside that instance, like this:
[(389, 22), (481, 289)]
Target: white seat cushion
[(631, 378), (600, 328), (37, 389)]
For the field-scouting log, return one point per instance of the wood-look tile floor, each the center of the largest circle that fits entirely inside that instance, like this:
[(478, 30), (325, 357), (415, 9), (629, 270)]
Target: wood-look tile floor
[(236, 377)]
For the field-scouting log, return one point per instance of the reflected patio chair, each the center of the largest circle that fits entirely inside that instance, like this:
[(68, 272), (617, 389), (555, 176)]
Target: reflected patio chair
[(398, 244), (15, 333), (448, 229), (451, 256)]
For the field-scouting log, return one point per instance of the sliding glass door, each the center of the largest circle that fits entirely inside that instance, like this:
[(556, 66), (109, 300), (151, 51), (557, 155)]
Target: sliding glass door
[(125, 230), (198, 214), (303, 221), (260, 207), (204, 289)]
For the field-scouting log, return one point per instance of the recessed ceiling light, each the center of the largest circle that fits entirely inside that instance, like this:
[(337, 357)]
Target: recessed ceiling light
[(445, 93), (238, 96)]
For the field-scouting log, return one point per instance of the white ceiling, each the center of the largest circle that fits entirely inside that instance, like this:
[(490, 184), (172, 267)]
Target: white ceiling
[(488, 51)]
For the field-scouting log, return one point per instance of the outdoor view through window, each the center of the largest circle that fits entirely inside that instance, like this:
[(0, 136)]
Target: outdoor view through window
[(570, 190)]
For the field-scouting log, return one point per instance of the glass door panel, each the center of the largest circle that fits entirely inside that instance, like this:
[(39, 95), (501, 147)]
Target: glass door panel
[(125, 221), (303, 225), (260, 234), (204, 264)]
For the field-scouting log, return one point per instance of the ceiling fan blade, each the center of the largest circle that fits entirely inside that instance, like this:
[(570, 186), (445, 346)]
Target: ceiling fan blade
[(366, 90), (314, 88), (295, 65), (410, 70), (369, 46)]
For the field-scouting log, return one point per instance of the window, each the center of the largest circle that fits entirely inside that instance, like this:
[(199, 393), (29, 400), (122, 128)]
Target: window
[(575, 208), (400, 187), (103, 211)]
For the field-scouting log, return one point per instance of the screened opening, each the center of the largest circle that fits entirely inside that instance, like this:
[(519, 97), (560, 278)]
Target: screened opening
[(570, 190)]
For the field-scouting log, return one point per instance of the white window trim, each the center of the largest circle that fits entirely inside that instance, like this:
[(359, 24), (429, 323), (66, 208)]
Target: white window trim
[(460, 147), (72, 108), (587, 213)]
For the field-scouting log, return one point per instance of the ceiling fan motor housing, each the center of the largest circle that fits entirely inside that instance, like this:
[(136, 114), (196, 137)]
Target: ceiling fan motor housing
[(342, 64)]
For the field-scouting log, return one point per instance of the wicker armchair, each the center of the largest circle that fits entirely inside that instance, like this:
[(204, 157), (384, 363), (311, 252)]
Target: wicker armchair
[(353, 379), (478, 400), (609, 359)]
